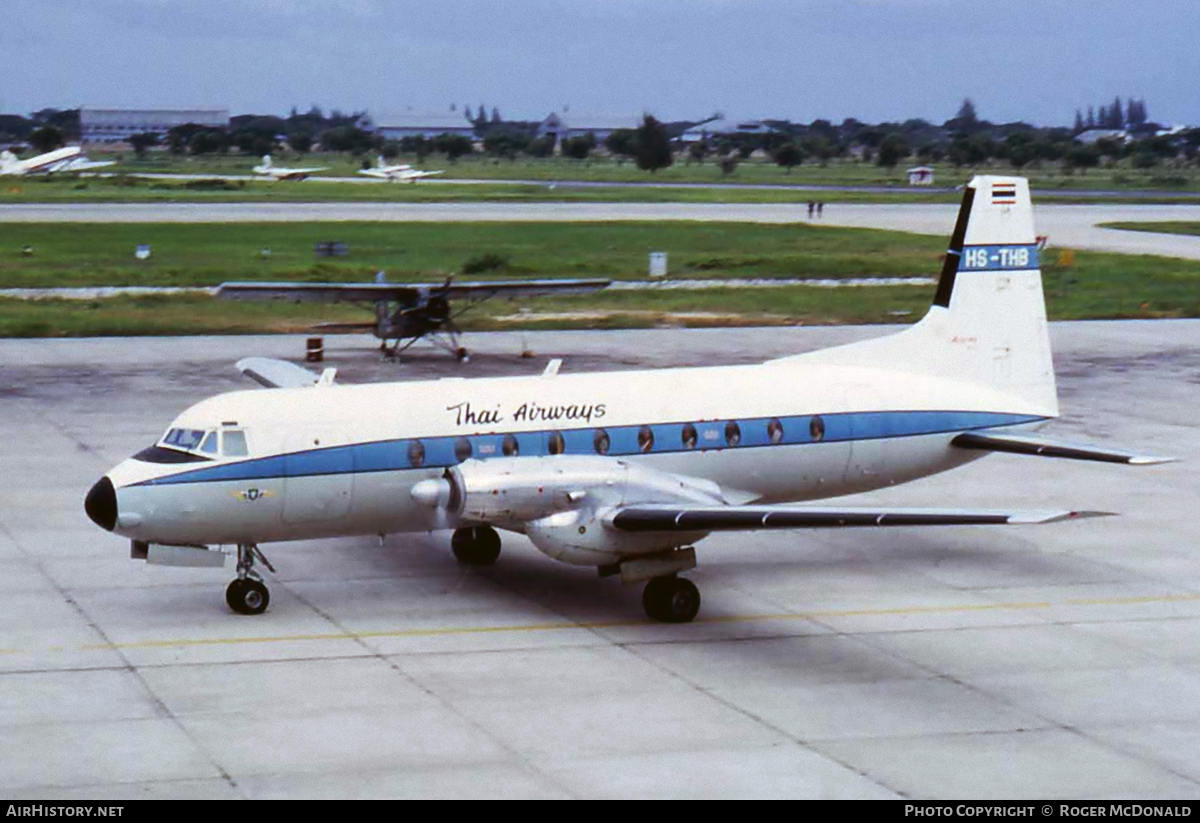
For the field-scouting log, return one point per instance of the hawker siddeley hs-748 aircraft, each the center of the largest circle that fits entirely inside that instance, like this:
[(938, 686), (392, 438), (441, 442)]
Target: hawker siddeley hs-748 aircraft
[(408, 311), (624, 471)]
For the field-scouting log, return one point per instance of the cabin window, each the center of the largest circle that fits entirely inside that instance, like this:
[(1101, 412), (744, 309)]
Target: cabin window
[(601, 442), (816, 428), (775, 430), (733, 433), (510, 447), (688, 436), (557, 445), (462, 449), (416, 454), (209, 446), (645, 439)]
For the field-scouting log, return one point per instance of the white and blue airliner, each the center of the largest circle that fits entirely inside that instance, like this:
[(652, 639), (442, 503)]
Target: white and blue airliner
[(622, 471)]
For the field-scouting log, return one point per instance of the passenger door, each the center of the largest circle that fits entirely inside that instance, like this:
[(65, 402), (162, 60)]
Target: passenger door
[(319, 478)]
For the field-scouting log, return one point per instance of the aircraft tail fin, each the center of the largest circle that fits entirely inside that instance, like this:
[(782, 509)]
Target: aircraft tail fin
[(8, 161), (267, 161), (987, 324)]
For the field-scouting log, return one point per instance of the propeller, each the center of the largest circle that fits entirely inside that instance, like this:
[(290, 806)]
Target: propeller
[(442, 496)]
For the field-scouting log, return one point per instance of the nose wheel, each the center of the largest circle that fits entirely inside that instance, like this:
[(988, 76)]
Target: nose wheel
[(475, 545), (248, 594), (671, 600)]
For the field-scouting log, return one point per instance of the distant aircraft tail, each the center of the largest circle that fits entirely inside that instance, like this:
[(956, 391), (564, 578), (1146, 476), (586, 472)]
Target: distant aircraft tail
[(987, 324), (8, 162), (267, 161)]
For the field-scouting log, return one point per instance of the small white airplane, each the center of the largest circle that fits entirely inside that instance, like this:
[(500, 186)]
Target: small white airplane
[(402, 173), (623, 471), (67, 159), (269, 169)]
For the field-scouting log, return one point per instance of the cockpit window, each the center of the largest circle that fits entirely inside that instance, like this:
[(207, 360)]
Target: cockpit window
[(184, 438), (226, 443), (234, 443), (209, 446)]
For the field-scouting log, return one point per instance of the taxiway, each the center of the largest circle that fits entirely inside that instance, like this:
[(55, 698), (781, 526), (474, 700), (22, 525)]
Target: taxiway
[(1052, 661)]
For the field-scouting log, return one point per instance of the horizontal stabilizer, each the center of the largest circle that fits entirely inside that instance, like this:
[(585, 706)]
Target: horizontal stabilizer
[(1017, 444), (667, 518), (276, 374)]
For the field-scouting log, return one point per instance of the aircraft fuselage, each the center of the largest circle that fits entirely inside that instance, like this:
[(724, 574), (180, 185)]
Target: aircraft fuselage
[(342, 460)]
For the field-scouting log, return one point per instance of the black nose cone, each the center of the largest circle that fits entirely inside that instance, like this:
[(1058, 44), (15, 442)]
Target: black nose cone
[(101, 504)]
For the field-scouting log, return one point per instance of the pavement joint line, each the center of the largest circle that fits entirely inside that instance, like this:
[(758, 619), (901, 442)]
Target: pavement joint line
[(610, 624)]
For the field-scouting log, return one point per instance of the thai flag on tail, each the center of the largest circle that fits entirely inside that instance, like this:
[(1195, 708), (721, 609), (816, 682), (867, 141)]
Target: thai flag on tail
[(1004, 194)]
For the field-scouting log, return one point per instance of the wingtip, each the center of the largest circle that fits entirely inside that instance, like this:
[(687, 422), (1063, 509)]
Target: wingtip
[(1151, 460), (1036, 518)]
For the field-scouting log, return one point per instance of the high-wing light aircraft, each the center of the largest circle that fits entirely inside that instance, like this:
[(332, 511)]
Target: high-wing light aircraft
[(67, 159), (622, 471), (408, 311), (402, 173), (269, 169)]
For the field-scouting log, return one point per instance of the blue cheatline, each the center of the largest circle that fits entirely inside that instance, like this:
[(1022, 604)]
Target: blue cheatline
[(758, 432)]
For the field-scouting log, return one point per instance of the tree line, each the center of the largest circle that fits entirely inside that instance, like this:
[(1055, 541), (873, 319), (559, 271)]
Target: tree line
[(963, 140)]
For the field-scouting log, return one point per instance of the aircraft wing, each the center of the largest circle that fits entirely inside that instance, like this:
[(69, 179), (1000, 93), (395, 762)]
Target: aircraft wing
[(684, 518), (406, 292), (324, 292), (1020, 444), (522, 288)]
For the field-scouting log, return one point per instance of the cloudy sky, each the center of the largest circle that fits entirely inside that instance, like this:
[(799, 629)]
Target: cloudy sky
[(1034, 60)]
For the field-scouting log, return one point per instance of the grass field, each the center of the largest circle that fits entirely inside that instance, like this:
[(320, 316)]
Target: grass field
[(840, 172), (206, 254), (1164, 227), (548, 173), (1096, 285), (141, 190)]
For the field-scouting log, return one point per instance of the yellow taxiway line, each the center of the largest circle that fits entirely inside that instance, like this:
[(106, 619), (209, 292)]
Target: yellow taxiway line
[(608, 624)]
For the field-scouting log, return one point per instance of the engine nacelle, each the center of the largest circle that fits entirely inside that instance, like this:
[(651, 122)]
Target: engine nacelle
[(581, 538), (560, 502)]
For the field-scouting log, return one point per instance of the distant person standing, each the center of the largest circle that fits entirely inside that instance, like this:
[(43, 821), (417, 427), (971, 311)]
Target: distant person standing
[(811, 205), (820, 208)]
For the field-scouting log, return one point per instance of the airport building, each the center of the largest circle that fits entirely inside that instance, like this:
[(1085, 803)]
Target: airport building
[(117, 125), (408, 124), (567, 125)]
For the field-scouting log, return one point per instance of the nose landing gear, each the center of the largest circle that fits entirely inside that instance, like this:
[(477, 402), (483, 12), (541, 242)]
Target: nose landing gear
[(248, 594)]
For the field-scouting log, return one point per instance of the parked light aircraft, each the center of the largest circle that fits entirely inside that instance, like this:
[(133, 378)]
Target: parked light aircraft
[(622, 471), (408, 311), (67, 159), (269, 169), (402, 173)]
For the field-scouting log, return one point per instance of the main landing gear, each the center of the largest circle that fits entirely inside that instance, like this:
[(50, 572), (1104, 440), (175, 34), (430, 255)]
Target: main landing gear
[(671, 599), (475, 545), (248, 594)]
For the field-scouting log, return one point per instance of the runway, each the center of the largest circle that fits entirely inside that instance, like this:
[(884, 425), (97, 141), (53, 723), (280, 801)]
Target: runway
[(1065, 225), (1053, 661)]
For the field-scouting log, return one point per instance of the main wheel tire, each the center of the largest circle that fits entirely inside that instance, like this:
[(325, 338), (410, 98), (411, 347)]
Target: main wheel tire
[(247, 596), (671, 600), (476, 545)]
